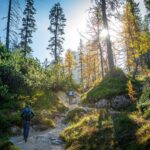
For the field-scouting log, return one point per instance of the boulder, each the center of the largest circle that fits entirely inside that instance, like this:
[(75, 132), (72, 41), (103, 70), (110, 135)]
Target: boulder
[(103, 103), (120, 102), (15, 130)]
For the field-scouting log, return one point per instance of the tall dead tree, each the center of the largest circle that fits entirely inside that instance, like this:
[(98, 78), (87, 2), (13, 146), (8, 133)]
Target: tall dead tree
[(81, 60), (95, 28), (13, 19)]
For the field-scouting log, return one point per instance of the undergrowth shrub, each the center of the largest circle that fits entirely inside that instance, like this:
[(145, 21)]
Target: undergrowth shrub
[(144, 101)]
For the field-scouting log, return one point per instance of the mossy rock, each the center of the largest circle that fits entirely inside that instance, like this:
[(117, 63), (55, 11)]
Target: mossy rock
[(114, 83)]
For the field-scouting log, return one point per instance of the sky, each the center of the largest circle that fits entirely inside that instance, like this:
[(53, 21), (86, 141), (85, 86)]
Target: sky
[(76, 15)]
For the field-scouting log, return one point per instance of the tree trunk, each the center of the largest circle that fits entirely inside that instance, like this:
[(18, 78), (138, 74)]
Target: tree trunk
[(101, 53), (136, 68), (81, 62), (108, 42), (8, 25), (56, 17)]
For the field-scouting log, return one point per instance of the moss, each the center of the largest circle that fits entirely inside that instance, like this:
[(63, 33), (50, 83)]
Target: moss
[(113, 84)]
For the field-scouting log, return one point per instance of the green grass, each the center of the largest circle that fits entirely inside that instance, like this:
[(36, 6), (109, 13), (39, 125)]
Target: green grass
[(101, 131), (112, 85), (86, 134)]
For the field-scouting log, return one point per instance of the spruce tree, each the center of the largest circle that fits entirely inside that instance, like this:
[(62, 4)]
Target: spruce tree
[(28, 23), (56, 28)]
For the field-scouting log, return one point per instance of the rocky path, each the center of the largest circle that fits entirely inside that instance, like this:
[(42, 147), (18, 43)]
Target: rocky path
[(46, 140)]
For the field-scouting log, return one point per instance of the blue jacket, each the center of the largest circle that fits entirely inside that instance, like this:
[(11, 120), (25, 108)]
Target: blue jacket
[(27, 110)]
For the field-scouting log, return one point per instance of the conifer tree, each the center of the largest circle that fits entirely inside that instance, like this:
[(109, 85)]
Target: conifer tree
[(106, 7), (69, 62), (96, 27), (56, 28), (28, 27), (13, 19)]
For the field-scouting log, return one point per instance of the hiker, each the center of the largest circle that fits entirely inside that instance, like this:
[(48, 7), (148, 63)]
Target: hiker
[(26, 115), (70, 94)]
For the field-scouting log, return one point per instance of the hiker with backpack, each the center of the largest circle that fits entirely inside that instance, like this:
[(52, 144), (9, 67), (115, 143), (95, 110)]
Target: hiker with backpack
[(26, 115)]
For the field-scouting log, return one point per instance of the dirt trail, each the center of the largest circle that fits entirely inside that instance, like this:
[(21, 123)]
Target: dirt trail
[(47, 140)]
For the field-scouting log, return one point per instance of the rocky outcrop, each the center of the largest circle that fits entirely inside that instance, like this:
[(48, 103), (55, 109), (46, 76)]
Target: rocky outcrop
[(117, 102), (120, 102)]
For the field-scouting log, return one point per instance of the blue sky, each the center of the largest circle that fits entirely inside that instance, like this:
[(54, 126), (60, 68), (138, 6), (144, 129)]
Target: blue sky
[(76, 14)]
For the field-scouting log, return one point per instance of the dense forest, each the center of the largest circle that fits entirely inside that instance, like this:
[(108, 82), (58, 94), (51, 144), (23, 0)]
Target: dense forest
[(112, 94)]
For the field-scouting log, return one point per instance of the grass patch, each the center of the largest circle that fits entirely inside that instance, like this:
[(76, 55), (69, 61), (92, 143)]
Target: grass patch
[(101, 131), (75, 115), (86, 134), (46, 107)]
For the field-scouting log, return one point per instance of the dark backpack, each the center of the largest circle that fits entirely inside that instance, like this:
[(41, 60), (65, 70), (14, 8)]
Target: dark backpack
[(27, 116)]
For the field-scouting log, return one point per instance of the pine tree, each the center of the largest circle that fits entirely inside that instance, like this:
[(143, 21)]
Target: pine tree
[(28, 23), (56, 28), (13, 19)]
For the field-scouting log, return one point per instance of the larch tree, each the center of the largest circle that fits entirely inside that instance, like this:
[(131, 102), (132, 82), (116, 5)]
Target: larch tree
[(13, 20), (69, 63), (56, 28), (147, 30), (28, 27), (130, 33), (91, 69), (136, 41)]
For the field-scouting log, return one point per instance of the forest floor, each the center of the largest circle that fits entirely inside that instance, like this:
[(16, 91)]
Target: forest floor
[(49, 139)]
